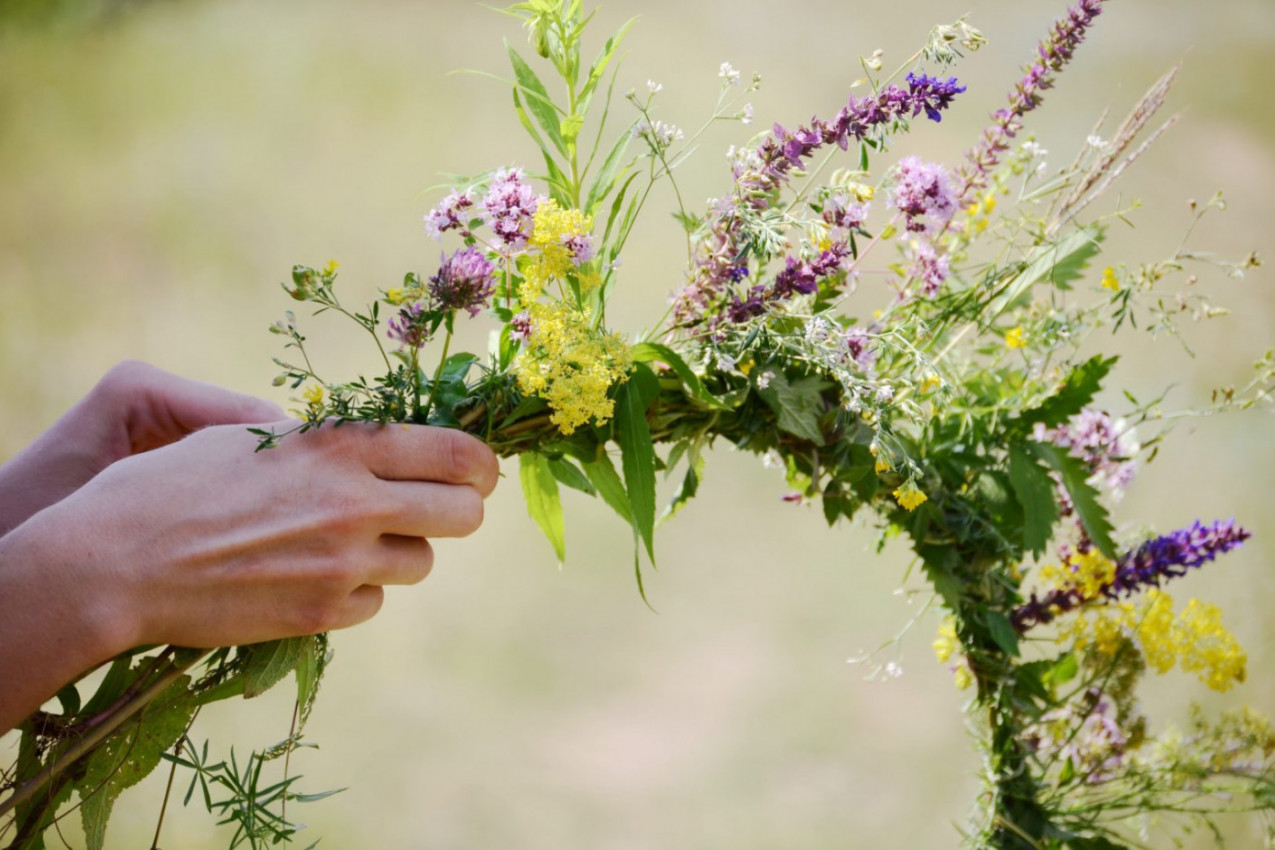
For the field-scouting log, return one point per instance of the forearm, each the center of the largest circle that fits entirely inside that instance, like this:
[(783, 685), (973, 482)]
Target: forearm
[(55, 620)]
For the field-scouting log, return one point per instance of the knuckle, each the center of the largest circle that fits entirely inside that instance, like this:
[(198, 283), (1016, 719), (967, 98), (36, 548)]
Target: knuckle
[(470, 510), (316, 617), (466, 458)]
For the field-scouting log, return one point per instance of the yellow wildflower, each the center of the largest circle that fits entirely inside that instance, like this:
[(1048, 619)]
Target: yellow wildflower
[(313, 395), (1088, 573), (882, 465), (1109, 279), (330, 268), (909, 496), (946, 644), (551, 256), (962, 677), (930, 383), (398, 295), (1015, 339), (571, 365)]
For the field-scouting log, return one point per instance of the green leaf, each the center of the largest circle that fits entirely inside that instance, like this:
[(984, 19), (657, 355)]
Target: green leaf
[(1002, 631), (609, 175), (1063, 670), (940, 563), (538, 100), (1052, 262), (646, 352), (690, 486), (265, 664), (1096, 842), (114, 684), (1074, 474), (69, 698), (309, 672), (1077, 390), (540, 489), (129, 755), (569, 474), (1035, 491), (603, 475), (797, 404), (599, 67), (637, 457)]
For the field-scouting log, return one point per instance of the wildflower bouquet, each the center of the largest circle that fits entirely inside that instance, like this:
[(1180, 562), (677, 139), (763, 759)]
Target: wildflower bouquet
[(959, 407)]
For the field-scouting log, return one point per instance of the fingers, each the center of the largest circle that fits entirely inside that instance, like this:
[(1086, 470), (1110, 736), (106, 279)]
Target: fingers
[(161, 408), (401, 560), (423, 453), (427, 509)]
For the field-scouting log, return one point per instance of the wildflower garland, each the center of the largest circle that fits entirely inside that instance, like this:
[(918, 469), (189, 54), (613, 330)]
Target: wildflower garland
[(956, 410)]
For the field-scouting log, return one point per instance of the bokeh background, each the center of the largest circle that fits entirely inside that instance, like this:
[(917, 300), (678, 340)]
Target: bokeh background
[(162, 166)]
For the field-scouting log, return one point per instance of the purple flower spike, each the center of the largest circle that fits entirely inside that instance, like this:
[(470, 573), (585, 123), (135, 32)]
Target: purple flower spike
[(408, 327), (932, 94), (1151, 564), (465, 281), (1053, 55)]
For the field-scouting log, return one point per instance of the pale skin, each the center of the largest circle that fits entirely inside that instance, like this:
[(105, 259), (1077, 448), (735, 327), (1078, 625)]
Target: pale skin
[(143, 516)]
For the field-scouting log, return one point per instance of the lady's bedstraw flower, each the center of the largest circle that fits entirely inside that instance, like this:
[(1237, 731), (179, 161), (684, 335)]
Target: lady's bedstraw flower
[(508, 208), (449, 215), (464, 281), (571, 365), (560, 241)]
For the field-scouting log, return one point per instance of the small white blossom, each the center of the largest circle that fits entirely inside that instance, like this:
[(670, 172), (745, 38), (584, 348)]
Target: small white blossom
[(725, 362), (1097, 143), (654, 87), (729, 74), (763, 380), (772, 460), (885, 393), (746, 114), (1033, 149)]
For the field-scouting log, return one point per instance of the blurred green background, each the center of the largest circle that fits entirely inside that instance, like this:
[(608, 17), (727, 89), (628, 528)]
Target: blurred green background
[(162, 166)]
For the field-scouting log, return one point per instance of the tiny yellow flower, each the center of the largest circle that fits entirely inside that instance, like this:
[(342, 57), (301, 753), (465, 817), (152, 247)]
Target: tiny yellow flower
[(930, 383), (1015, 339), (397, 295), (876, 314), (882, 465), (962, 678), (313, 395), (330, 268), (989, 202), (1109, 279), (909, 497), (946, 644)]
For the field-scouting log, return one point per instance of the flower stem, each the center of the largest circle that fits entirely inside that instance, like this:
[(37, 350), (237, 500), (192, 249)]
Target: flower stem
[(433, 386)]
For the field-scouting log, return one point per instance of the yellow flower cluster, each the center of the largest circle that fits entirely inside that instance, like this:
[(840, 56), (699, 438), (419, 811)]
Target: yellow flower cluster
[(945, 646), (980, 212), (550, 257), (1109, 279), (1194, 640), (1015, 338), (909, 496), (1088, 573), (570, 365)]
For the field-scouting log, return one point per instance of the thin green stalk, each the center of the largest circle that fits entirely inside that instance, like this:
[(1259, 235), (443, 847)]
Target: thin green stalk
[(438, 374)]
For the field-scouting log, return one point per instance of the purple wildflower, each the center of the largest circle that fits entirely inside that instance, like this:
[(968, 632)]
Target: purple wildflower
[(408, 327), (932, 94), (1157, 560), (923, 193), (581, 248), (520, 327), (1105, 445), (760, 174), (838, 212), (856, 345), (464, 281), (799, 277), (929, 267), (448, 215), (1053, 55), (509, 207)]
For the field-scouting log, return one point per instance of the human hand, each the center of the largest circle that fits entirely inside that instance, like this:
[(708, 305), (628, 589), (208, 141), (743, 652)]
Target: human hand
[(133, 408), (205, 543)]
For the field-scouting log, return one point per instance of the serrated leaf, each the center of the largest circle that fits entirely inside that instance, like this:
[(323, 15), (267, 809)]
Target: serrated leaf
[(265, 664), (1076, 392), (690, 486), (540, 490), (637, 458), (1076, 247), (1074, 474), (1035, 492), (797, 404), (569, 474), (129, 755), (310, 673), (603, 475)]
